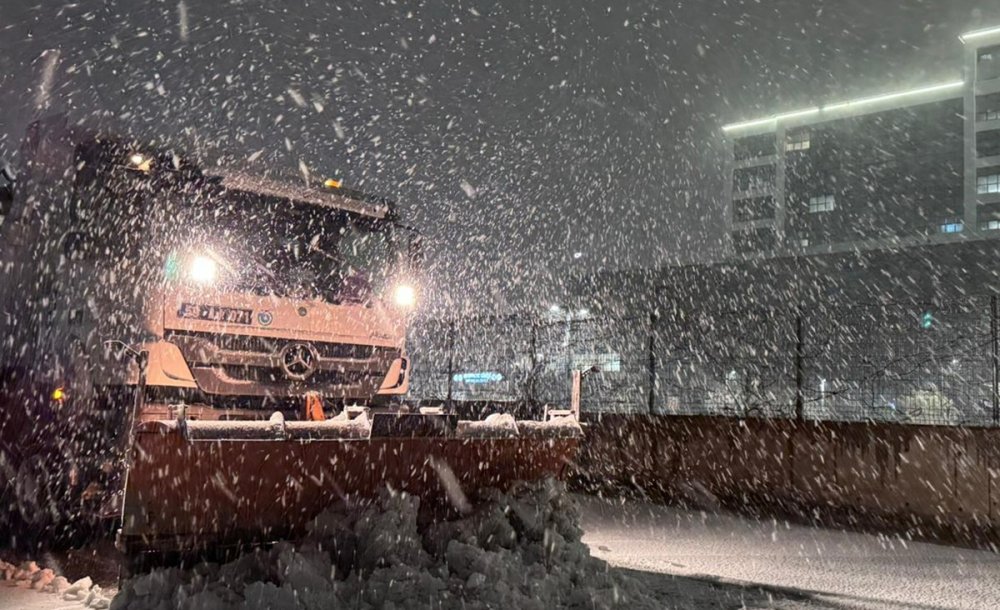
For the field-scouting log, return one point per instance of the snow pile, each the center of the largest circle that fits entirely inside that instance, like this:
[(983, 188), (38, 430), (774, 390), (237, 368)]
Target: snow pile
[(496, 425), (29, 575), (517, 550)]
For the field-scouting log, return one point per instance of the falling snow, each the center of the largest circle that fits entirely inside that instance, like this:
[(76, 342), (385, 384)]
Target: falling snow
[(364, 289)]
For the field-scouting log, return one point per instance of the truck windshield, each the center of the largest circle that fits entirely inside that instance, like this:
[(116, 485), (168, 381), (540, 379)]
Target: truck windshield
[(274, 246)]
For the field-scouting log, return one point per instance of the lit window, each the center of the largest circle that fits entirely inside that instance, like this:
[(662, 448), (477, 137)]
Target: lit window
[(821, 203), (990, 183), (988, 66), (950, 227), (989, 225), (803, 243), (798, 140)]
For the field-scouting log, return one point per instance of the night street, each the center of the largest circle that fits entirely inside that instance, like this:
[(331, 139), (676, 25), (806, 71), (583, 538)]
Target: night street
[(696, 559)]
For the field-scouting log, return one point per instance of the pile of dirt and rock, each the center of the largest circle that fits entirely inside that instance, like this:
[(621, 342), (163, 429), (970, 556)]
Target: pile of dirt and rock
[(520, 549), (29, 575)]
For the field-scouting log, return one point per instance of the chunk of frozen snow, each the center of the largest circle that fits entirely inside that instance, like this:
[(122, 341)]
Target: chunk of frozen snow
[(519, 549), (496, 425), (79, 590)]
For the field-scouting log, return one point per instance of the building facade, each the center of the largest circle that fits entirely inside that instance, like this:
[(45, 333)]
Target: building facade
[(913, 167)]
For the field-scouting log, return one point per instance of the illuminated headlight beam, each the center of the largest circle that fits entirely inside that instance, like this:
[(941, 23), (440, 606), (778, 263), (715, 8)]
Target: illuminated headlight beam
[(404, 295), (203, 270)]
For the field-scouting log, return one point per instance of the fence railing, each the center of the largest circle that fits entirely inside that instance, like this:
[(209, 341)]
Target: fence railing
[(909, 362)]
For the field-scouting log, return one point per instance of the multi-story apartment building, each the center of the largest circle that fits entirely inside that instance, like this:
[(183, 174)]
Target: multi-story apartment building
[(911, 167)]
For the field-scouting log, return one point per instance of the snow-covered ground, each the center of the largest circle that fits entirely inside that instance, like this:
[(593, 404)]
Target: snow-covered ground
[(689, 559), (846, 569), (31, 585), (16, 598)]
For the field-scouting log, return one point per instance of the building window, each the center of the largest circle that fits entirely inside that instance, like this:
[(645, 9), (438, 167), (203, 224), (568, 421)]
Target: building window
[(821, 203), (803, 243), (797, 140), (989, 225), (754, 240), (752, 147), (988, 107), (755, 208), (951, 226), (988, 66), (754, 179), (988, 143), (988, 183)]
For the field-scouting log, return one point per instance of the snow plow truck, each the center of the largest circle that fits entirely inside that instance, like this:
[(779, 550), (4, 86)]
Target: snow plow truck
[(212, 357)]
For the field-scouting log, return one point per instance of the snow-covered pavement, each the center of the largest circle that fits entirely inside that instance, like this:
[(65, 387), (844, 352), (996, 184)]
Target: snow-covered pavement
[(17, 598), (690, 559), (846, 569)]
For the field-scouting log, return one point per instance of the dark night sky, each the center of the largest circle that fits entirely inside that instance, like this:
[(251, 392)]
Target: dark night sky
[(575, 126)]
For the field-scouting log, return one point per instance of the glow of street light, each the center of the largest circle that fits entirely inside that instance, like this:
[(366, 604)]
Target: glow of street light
[(979, 34), (773, 120), (892, 96)]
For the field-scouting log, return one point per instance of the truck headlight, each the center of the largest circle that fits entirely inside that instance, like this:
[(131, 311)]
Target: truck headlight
[(404, 295), (203, 269)]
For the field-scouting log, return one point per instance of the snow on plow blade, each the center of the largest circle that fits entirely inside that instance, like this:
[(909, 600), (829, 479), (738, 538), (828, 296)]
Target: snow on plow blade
[(192, 484)]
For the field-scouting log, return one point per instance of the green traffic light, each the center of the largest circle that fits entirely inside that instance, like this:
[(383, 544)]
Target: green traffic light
[(927, 320)]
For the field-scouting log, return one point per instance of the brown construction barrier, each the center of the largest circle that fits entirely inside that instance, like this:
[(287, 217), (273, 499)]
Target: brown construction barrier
[(927, 482)]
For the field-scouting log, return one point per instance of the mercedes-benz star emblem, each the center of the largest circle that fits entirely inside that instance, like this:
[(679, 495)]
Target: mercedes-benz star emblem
[(298, 360)]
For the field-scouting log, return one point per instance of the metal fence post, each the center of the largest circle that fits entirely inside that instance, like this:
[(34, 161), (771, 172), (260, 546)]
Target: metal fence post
[(996, 359), (451, 360), (532, 389), (652, 362), (799, 373)]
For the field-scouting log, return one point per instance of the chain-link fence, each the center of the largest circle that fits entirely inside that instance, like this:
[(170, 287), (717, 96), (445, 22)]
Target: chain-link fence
[(911, 362), (528, 360)]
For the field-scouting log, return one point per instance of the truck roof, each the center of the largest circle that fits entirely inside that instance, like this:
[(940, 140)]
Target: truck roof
[(341, 199), (117, 145)]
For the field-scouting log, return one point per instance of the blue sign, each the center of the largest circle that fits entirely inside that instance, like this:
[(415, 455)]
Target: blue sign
[(477, 378)]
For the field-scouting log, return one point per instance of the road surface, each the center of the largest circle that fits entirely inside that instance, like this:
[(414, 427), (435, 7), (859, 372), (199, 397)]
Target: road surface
[(699, 560), (13, 598), (842, 569)]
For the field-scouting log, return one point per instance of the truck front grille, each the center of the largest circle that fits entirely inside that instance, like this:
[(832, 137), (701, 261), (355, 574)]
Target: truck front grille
[(270, 345), (246, 365), (275, 375)]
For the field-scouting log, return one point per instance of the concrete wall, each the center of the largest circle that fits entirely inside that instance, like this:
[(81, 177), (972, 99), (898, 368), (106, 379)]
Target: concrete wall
[(929, 482)]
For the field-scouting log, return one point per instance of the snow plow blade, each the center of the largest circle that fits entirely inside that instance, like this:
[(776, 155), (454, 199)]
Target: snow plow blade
[(195, 484)]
